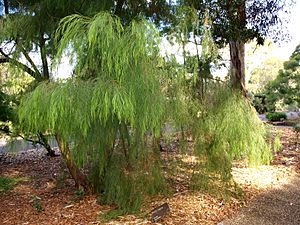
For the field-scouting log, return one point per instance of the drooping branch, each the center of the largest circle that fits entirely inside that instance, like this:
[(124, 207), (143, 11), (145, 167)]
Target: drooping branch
[(44, 142)]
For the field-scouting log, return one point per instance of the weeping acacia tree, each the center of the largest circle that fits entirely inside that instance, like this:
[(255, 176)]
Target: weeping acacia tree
[(101, 116), (223, 125), (27, 43)]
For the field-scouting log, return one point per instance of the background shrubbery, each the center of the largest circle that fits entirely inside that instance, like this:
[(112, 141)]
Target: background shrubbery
[(276, 116)]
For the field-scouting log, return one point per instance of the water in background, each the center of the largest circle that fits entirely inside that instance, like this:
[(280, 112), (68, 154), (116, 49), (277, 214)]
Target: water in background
[(19, 145)]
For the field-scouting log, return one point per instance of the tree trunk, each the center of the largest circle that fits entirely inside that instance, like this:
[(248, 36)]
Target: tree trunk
[(236, 13), (44, 142), (6, 8), (46, 75), (81, 180), (237, 65), (119, 8)]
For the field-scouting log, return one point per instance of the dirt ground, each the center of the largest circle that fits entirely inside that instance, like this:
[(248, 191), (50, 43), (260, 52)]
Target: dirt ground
[(45, 193), (279, 203)]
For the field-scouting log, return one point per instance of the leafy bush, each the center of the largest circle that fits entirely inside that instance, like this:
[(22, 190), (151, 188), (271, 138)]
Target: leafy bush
[(276, 116), (259, 103)]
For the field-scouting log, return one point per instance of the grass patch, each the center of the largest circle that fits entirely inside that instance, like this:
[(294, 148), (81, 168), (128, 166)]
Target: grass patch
[(37, 203), (111, 215), (7, 184)]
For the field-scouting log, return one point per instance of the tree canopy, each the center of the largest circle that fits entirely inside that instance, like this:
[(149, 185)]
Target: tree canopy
[(285, 89)]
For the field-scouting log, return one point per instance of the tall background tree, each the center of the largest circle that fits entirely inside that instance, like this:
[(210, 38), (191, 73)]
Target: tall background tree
[(285, 89), (235, 22)]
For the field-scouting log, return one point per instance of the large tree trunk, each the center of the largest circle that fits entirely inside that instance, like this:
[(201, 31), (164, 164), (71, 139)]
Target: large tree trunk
[(80, 179), (237, 17), (237, 65)]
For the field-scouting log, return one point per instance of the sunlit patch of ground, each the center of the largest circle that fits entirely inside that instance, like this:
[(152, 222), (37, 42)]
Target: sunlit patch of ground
[(263, 176)]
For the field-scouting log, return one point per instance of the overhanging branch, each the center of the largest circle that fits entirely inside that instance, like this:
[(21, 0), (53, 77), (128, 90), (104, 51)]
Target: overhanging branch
[(6, 59), (26, 55)]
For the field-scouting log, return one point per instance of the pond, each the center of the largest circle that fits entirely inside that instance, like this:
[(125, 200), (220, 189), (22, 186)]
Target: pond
[(18, 145)]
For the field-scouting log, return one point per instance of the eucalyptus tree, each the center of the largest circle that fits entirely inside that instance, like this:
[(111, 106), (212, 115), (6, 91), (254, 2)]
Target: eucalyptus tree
[(235, 22)]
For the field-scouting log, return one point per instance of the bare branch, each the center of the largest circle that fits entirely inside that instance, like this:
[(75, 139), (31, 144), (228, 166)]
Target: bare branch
[(26, 55), (6, 59)]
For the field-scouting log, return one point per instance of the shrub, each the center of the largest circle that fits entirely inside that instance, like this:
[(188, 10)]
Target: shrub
[(276, 116)]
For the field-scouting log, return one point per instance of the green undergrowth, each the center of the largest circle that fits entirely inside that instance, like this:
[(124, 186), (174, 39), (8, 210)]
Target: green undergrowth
[(110, 215), (7, 184), (276, 116)]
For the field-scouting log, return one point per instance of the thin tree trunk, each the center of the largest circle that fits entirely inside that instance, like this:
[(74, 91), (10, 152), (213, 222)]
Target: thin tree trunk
[(119, 7), (6, 10), (199, 77), (80, 179), (28, 58), (46, 75)]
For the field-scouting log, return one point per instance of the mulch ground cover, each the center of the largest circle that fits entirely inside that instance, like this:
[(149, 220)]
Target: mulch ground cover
[(45, 193)]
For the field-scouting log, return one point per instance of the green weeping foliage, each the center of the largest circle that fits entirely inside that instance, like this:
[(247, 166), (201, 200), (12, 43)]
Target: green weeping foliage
[(105, 111), (122, 94), (228, 129)]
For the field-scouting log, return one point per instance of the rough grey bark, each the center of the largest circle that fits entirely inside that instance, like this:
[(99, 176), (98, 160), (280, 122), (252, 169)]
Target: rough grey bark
[(237, 17)]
